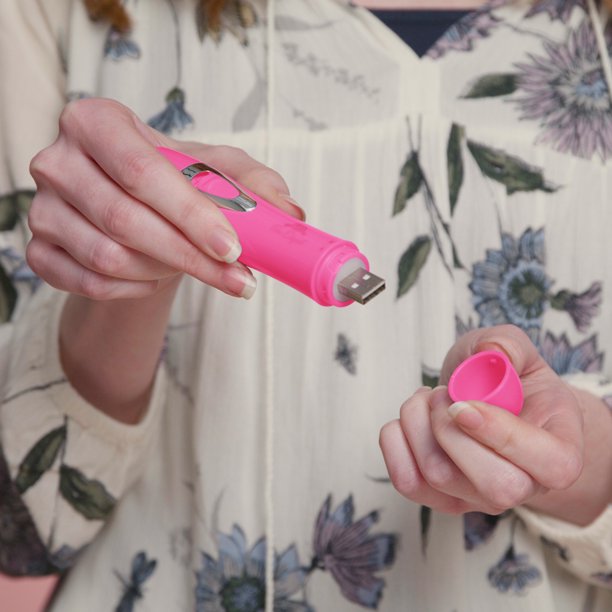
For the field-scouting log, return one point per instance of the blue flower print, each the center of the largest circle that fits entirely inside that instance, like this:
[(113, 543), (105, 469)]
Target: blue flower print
[(351, 554), (235, 582), (142, 569), (511, 285), (513, 573), (119, 45), (564, 358), (174, 116), (346, 354)]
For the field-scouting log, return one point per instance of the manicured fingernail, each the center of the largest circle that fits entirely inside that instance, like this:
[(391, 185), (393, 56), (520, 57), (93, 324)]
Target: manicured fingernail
[(423, 389), (240, 282), (465, 414), (298, 209), (225, 245)]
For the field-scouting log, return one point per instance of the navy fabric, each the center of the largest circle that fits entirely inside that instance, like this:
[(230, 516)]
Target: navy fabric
[(419, 29)]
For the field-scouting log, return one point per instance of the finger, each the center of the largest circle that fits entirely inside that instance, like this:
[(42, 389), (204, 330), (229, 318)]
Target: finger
[(433, 461), (551, 455), (500, 483), (135, 225), (63, 272), (406, 476), (247, 171), (108, 134), (58, 223), (508, 339)]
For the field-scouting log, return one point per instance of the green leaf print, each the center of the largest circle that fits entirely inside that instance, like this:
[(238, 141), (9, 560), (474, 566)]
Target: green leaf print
[(411, 263), (40, 458), (429, 377), (12, 205), (8, 296), (511, 171), (454, 164), (88, 497), (411, 179), (493, 85)]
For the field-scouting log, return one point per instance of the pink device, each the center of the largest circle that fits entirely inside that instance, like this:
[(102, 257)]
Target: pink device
[(487, 377), (332, 271)]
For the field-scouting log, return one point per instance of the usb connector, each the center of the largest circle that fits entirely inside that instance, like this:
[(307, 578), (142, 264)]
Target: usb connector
[(361, 286)]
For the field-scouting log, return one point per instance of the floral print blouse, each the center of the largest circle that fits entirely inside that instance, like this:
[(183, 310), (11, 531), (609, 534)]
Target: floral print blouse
[(477, 180)]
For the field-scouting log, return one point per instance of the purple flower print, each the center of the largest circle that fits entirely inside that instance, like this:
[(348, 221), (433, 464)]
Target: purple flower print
[(556, 9), (350, 553), (582, 307), (565, 90), (513, 573), (564, 358), (462, 35)]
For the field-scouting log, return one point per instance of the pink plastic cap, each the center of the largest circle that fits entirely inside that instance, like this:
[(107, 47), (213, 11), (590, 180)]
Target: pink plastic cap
[(487, 377)]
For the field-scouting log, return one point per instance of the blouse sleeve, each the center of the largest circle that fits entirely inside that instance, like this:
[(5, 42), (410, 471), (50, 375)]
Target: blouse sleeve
[(63, 464), (585, 551)]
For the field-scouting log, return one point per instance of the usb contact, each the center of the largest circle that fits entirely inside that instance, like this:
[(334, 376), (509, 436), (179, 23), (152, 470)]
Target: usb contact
[(361, 286)]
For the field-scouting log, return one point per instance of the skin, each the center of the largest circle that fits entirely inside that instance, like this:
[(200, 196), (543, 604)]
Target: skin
[(555, 457), (119, 233)]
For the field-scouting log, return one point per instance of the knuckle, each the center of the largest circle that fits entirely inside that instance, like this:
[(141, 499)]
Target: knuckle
[(404, 481), (35, 257), (107, 256), (136, 170), (118, 219), (75, 114), (36, 215), (509, 492), (93, 286), (437, 472), (564, 473), (42, 166)]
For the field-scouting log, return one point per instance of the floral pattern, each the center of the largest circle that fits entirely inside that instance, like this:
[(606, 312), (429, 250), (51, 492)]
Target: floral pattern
[(235, 580), (565, 91), (562, 90), (514, 573)]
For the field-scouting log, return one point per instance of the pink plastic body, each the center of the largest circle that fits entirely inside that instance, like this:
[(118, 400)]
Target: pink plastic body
[(278, 244), (487, 377)]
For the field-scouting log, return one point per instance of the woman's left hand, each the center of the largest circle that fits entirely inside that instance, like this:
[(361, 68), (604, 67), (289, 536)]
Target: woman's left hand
[(464, 457)]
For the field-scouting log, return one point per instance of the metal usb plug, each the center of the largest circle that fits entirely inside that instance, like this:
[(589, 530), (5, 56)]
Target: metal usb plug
[(361, 285)]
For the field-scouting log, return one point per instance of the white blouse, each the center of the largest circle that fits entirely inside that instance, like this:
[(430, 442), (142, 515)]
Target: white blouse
[(476, 180)]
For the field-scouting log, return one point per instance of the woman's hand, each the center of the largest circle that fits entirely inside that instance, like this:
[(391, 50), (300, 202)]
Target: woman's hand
[(112, 218), (464, 457), (116, 225)]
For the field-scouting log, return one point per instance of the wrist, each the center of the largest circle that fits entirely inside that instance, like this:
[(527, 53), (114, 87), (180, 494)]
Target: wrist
[(110, 350)]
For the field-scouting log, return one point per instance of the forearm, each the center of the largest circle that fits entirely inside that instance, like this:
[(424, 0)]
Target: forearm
[(110, 350), (587, 498)]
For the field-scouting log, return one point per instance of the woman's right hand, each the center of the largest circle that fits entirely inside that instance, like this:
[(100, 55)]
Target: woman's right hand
[(112, 218)]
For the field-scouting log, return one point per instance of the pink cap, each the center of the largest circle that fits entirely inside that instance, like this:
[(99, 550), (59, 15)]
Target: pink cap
[(487, 377)]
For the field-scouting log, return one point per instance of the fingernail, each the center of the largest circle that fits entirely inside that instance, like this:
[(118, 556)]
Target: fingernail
[(240, 282), (423, 389), (225, 245), (465, 414), (298, 209)]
